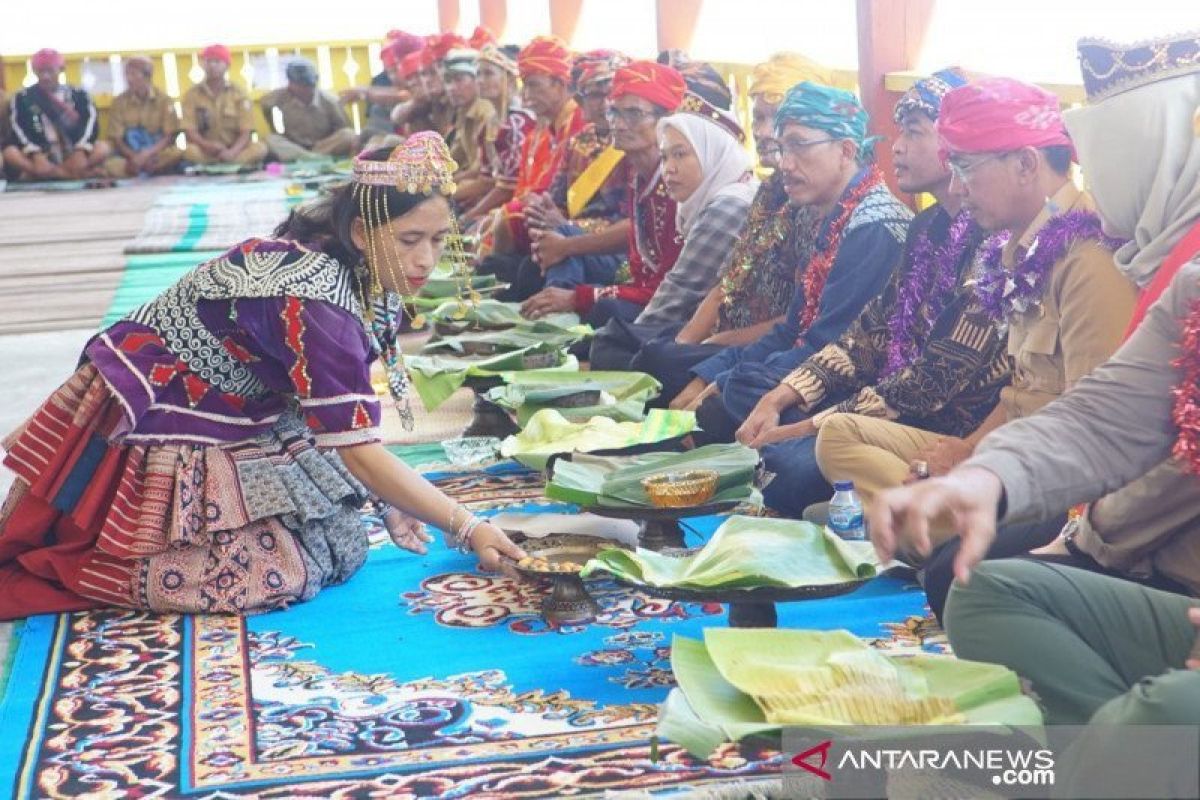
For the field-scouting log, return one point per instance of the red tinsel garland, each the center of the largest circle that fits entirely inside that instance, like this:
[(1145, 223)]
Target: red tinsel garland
[(822, 261)]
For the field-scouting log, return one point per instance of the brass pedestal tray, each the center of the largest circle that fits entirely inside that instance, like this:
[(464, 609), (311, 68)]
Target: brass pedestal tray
[(658, 528), (558, 558), (488, 419), (748, 608)]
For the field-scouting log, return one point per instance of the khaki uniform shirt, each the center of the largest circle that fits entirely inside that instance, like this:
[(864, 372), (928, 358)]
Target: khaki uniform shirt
[(221, 117), (468, 123), (306, 123), (155, 113), (1085, 308), (1111, 438)]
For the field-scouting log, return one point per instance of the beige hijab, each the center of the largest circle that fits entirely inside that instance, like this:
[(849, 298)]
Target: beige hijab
[(1140, 153)]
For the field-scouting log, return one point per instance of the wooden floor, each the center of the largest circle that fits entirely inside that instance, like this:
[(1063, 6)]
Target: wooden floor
[(62, 253)]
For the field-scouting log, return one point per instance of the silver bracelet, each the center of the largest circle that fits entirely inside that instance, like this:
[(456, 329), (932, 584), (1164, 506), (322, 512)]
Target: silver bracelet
[(462, 542)]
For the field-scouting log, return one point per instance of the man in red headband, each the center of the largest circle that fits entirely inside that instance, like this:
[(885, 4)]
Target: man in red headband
[(1047, 276), (218, 117), (388, 89), (440, 111), (587, 193), (545, 68), (642, 93), (53, 127)]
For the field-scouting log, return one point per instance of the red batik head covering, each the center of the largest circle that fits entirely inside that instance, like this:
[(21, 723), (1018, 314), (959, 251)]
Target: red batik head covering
[(481, 36), (999, 114), (439, 44), (411, 64), (400, 43), (216, 52), (425, 58), (545, 55), (656, 83), (595, 65), (47, 58)]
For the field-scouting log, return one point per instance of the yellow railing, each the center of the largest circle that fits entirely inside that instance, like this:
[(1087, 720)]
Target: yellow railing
[(259, 69)]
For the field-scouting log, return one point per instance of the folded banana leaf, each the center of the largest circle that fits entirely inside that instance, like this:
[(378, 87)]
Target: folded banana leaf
[(517, 338), (748, 553), (617, 480), (490, 313), (623, 395), (436, 377), (441, 283), (549, 432), (743, 681)]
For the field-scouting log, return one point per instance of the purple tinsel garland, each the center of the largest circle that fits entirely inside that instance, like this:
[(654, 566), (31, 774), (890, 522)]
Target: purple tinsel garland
[(1003, 294), (924, 292)]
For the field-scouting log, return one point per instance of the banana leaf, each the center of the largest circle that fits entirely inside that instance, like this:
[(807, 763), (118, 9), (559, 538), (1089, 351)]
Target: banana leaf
[(442, 284), (549, 432), (617, 480), (741, 681), (517, 338), (748, 553), (494, 314), (436, 377), (623, 394)]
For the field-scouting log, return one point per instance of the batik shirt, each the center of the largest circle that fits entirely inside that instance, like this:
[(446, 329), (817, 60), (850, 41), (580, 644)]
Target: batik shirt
[(607, 204), (760, 277), (268, 328), (501, 145), (954, 382), (863, 260), (654, 244)]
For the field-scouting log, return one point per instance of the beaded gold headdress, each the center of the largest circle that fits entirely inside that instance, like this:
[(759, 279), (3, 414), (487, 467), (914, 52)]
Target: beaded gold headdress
[(421, 165)]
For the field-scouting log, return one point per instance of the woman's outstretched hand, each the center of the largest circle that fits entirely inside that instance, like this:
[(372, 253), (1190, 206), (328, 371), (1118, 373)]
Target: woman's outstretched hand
[(407, 532), (493, 547)]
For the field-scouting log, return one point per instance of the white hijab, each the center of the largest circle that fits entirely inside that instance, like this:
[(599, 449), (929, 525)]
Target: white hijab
[(1140, 153), (726, 165)]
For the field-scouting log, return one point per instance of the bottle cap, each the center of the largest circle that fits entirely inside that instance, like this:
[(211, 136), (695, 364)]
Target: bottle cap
[(843, 486)]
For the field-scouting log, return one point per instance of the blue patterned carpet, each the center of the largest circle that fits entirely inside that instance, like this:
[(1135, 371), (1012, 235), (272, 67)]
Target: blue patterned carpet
[(420, 677)]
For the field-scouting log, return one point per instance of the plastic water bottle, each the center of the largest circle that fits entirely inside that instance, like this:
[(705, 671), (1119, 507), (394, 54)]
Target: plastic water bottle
[(846, 512)]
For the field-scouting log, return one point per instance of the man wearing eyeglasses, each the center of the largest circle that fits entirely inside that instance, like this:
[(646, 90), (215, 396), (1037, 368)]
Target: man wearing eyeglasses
[(582, 216), (642, 92), (919, 352), (1052, 284), (826, 163)]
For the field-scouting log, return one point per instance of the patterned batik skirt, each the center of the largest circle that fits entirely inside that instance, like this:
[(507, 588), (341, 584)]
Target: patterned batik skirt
[(238, 528)]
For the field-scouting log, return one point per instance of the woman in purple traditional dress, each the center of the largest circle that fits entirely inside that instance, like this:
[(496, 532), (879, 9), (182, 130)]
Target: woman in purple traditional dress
[(214, 448)]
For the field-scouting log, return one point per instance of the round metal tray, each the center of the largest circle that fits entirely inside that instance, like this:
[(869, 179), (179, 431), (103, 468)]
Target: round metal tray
[(558, 548), (655, 514), (765, 594)]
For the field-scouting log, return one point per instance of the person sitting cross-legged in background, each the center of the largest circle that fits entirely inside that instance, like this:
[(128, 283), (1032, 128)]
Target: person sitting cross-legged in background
[(760, 273), (827, 162), (218, 118), (142, 125), (921, 353), (314, 125), (54, 128), (1049, 281)]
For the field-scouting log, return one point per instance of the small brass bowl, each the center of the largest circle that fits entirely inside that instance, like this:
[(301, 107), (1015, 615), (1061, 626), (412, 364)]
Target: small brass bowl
[(681, 489)]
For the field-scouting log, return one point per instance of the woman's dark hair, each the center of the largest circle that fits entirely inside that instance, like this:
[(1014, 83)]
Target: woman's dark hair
[(325, 223)]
